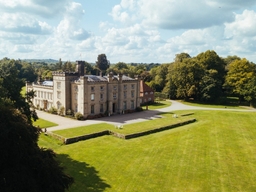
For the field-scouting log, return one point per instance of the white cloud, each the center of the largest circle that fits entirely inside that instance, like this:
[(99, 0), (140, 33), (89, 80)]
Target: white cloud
[(244, 25), (43, 8), (183, 14), (138, 30)]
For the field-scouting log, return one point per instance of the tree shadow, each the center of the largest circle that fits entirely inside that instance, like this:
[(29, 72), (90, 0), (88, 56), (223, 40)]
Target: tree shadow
[(86, 177)]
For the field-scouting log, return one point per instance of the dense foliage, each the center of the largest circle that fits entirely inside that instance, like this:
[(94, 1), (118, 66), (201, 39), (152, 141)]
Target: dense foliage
[(206, 77), (23, 165)]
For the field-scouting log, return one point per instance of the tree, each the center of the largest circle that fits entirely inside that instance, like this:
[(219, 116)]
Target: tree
[(59, 65), (28, 72), (250, 92), (23, 165), (180, 57), (240, 73), (214, 67), (229, 59), (209, 86), (102, 63)]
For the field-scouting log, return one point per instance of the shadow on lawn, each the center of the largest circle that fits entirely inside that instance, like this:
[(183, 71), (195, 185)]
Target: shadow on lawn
[(86, 177)]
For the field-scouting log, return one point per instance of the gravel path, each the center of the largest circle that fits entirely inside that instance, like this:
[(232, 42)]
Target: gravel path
[(66, 123)]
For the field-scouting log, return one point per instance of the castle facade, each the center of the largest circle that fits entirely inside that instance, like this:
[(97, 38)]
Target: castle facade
[(87, 94)]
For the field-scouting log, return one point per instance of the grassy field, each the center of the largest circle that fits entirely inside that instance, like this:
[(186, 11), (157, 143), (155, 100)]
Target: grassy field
[(44, 123), (213, 105), (166, 119), (158, 105), (23, 91), (217, 153)]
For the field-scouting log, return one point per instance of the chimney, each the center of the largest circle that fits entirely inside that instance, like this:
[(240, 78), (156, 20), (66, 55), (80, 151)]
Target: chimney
[(80, 68)]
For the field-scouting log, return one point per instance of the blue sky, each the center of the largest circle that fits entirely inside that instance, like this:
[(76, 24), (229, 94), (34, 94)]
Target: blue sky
[(142, 31)]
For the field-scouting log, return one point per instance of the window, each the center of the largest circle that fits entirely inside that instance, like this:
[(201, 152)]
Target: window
[(114, 95), (76, 96), (132, 104), (76, 108), (101, 108), (124, 105), (42, 96), (149, 99), (92, 109), (151, 92), (58, 85), (132, 94), (76, 88), (92, 97), (58, 94), (101, 96), (133, 86), (58, 105), (92, 89), (125, 87), (114, 87), (146, 93), (125, 94), (101, 88)]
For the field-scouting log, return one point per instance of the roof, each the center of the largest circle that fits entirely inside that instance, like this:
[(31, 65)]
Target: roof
[(94, 78), (144, 87), (48, 83)]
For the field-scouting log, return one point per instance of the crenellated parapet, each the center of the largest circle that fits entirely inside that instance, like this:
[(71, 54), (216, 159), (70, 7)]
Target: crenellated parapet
[(64, 73)]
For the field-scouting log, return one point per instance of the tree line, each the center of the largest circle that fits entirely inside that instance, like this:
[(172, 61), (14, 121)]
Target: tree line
[(206, 77)]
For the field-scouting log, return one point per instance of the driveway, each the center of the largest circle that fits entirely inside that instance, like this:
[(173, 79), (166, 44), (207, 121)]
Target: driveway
[(66, 123)]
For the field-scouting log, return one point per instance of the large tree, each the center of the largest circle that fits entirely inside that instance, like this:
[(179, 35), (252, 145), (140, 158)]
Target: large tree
[(239, 77), (184, 79), (102, 63), (24, 166), (213, 80)]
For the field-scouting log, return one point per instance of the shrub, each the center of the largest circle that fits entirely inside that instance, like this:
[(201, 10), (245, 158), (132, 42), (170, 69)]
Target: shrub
[(53, 110), (79, 116), (138, 109), (69, 112), (61, 111)]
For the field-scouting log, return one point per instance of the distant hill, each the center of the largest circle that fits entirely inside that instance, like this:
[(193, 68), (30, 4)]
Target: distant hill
[(41, 60)]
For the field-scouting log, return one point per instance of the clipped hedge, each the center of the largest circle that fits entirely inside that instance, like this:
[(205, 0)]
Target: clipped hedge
[(134, 135), (119, 135)]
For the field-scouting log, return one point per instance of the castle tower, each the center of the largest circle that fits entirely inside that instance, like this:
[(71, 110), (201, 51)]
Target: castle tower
[(80, 68)]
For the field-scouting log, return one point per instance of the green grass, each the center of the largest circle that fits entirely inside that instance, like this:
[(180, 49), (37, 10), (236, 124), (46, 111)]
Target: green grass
[(23, 91), (213, 105), (166, 119), (43, 123), (84, 130), (158, 105), (217, 153)]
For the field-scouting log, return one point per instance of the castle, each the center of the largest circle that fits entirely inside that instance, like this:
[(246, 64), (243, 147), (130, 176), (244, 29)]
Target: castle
[(87, 94)]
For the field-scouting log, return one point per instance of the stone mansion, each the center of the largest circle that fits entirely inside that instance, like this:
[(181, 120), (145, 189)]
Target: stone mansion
[(87, 94)]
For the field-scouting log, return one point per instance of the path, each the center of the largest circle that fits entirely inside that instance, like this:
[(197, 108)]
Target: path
[(66, 123)]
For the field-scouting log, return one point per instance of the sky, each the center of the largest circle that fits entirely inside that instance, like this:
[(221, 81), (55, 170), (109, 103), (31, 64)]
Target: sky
[(140, 31)]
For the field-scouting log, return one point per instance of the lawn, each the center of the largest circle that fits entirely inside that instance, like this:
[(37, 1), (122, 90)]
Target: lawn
[(217, 153), (43, 123), (167, 119), (231, 106), (158, 105), (23, 91)]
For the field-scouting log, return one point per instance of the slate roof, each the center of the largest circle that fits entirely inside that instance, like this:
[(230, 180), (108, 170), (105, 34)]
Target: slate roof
[(48, 83), (94, 78)]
